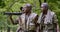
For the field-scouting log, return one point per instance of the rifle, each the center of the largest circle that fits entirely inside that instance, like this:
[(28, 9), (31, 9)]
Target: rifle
[(12, 13)]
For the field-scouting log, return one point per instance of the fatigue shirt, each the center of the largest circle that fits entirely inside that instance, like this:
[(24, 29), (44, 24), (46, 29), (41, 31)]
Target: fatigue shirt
[(27, 22), (49, 22)]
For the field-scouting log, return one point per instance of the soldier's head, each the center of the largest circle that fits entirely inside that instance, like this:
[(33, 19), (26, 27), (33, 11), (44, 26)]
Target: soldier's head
[(44, 7), (27, 8)]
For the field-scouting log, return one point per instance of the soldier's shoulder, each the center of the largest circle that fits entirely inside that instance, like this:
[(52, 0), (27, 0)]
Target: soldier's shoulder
[(22, 15), (52, 13), (34, 14)]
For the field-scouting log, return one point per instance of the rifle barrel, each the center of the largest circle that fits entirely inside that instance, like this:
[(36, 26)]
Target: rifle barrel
[(12, 13)]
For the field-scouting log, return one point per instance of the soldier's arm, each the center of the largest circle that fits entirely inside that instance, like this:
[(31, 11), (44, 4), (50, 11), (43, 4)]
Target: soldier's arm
[(56, 22), (40, 24), (13, 21), (57, 27), (35, 19), (37, 24)]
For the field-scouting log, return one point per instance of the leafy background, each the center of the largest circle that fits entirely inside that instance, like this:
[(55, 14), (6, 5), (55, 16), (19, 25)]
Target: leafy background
[(14, 6)]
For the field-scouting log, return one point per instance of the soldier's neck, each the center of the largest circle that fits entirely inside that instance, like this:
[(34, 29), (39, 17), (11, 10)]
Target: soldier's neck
[(28, 13), (45, 12)]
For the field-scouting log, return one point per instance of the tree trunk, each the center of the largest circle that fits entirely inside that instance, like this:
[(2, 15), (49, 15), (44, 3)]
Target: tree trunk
[(8, 29), (44, 1), (40, 2)]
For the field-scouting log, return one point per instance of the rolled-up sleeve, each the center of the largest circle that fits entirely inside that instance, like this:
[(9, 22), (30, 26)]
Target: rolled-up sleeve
[(55, 18)]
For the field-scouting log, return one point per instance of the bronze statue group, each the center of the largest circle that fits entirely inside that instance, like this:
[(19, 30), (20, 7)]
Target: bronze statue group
[(31, 22)]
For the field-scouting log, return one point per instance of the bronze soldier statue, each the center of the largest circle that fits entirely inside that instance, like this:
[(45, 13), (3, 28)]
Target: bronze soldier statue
[(27, 21), (48, 20)]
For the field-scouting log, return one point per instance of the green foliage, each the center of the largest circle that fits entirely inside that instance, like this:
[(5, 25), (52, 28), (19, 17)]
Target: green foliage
[(2, 4), (54, 5), (14, 6)]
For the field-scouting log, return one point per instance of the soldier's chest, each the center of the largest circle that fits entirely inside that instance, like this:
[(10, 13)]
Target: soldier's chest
[(26, 19), (46, 19)]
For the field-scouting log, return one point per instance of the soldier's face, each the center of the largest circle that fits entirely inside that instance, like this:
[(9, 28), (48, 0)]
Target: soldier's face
[(26, 9), (43, 8)]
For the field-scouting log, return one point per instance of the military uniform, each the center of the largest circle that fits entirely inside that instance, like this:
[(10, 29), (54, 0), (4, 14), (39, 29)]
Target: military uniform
[(27, 23), (48, 23)]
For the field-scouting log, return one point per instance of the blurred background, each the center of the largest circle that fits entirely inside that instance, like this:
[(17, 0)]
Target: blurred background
[(14, 6)]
